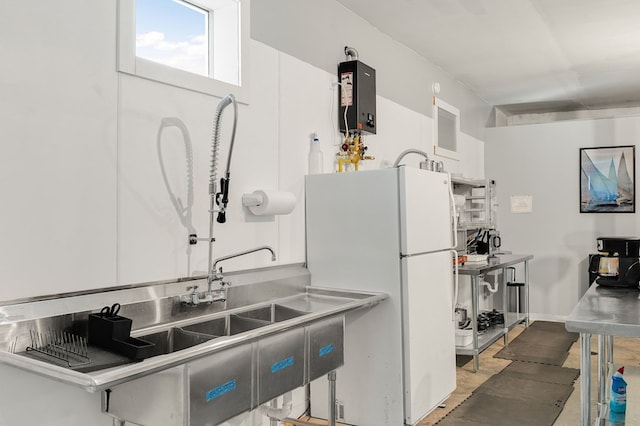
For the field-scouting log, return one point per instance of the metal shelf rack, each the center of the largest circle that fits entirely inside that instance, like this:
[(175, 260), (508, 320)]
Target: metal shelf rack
[(479, 206), (476, 271)]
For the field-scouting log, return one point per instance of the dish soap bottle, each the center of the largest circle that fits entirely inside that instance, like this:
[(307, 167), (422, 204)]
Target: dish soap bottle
[(618, 402), (315, 157)]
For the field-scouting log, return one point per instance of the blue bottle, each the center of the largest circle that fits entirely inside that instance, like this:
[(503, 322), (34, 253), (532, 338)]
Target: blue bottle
[(618, 401)]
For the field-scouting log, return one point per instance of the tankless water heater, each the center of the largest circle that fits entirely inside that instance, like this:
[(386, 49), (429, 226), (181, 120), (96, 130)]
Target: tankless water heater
[(357, 95)]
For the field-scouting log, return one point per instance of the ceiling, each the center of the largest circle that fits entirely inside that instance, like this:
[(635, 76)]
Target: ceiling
[(525, 56)]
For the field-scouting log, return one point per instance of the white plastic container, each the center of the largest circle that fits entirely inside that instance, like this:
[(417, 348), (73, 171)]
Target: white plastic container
[(477, 258), (315, 157), (464, 337)]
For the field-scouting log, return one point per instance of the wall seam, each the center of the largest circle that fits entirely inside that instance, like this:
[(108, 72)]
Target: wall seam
[(118, 163), (278, 151)]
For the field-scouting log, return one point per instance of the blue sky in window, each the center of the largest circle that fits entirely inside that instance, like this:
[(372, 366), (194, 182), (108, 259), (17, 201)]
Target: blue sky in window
[(173, 34)]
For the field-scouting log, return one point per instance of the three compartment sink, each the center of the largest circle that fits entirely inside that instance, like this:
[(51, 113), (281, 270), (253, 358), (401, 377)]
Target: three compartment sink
[(280, 351), (274, 334), (178, 338), (177, 342)]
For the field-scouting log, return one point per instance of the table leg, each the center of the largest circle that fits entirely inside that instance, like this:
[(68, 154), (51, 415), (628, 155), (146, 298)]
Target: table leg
[(526, 293), (505, 307), (585, 378), (474, 321), (332, 397), (602, 376)]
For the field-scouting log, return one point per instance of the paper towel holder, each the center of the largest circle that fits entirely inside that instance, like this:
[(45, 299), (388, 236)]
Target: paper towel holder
[(260, 202), (252, 200)]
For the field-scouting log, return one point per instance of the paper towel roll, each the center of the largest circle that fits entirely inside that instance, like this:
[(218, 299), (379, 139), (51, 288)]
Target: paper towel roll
[(273, 202)]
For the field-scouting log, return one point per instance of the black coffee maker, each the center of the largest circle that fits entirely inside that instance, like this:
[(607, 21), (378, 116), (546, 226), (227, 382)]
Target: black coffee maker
[(616, 264)]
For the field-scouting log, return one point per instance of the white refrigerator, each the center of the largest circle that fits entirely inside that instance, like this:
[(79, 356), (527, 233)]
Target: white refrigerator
[(386, 230)]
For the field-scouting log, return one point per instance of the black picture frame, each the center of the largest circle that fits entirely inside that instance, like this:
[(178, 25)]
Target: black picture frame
[(607, 179)]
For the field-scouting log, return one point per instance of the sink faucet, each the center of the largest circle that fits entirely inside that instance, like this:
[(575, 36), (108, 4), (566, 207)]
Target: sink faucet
[(220, 294), (217, 275), (221, 198), (210, 296)]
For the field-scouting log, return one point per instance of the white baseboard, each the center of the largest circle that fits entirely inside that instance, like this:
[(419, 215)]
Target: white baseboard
[(547, 317)]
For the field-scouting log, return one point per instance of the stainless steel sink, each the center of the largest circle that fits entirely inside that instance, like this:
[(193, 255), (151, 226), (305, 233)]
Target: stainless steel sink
[(274, 333), (213, 328), (273, 313), (228, 326), (233, 324), (239, 378), (175, 339)]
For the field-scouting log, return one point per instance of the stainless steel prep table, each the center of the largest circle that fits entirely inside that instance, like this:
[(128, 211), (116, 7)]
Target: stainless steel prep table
[(476, 272), (607, 312)]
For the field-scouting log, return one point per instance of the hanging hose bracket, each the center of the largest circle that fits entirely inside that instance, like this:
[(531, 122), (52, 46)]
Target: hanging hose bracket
[(193, 239)]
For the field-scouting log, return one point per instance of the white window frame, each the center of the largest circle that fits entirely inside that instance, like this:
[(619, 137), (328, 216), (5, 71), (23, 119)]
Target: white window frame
[(439, 104), (129, 63)]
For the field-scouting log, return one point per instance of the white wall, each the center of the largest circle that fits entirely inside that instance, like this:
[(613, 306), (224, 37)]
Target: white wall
[(57, 157), (85, 205), (321, 30), (543, 161)]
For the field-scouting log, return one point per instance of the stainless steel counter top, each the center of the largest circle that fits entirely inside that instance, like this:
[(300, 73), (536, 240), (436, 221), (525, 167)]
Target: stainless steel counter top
[(494, 263), (607, 311)]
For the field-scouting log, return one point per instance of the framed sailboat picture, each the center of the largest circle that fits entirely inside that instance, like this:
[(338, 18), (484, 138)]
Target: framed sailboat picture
[(607, 179)]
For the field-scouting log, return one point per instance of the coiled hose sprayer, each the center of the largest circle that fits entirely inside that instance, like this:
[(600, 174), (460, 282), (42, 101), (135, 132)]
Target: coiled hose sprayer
[(222, 197)]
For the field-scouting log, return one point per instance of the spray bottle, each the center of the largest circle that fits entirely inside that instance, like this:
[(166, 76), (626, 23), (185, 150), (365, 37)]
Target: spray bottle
[(315, 156), (618, 401)]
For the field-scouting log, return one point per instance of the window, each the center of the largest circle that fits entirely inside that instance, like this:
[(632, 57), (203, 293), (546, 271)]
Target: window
[(199, 45), (446, 127), (173, 33)]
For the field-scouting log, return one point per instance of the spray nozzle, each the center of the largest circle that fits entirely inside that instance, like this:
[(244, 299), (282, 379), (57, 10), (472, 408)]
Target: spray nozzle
[(222, 198)]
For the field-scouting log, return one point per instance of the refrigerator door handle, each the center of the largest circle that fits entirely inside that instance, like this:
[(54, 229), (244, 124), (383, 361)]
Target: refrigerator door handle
[(452, 205), (454, 250), (455, 286)]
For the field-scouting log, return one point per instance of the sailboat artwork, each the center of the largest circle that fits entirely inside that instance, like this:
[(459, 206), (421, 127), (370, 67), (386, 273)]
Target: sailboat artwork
[(607, 179)]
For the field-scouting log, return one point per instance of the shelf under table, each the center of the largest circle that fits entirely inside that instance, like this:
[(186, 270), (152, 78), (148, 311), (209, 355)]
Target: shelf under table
[(492, 334)]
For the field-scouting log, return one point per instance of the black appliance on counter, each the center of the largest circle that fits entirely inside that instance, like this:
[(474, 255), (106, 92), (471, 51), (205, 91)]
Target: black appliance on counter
[(488, 241), (616, 264)]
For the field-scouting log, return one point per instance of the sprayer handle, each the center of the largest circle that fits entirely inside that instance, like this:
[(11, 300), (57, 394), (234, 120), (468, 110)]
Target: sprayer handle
[(222, 217)]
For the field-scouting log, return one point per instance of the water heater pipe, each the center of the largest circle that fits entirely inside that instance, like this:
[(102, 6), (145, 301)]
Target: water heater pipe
[(351, 53), (407, 152)]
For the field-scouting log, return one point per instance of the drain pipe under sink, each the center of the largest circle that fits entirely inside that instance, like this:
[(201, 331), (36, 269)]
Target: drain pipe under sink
[(492, 288), (278, 414)]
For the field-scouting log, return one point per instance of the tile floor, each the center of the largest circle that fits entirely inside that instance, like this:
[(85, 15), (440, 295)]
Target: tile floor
[(626, 352)]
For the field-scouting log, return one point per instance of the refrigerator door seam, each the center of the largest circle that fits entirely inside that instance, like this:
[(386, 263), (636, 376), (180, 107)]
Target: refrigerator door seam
[(402, 255)]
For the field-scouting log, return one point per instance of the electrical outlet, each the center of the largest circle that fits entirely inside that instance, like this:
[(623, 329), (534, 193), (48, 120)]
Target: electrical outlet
[(339, 410)]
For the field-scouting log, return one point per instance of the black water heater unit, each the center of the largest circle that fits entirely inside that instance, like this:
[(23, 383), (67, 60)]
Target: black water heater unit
[(357, 95)]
